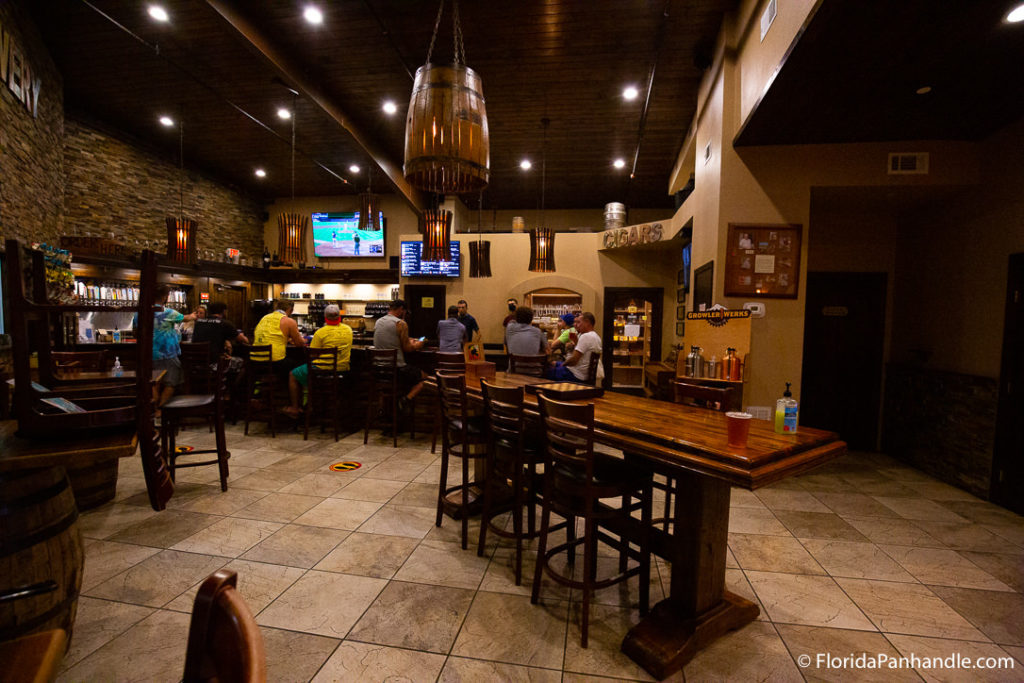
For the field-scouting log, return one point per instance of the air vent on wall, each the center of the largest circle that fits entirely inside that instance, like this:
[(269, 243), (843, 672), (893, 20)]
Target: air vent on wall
[(908, 163), (768, 16)]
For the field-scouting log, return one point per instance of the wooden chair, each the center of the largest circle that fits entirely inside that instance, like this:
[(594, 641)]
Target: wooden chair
[(579, 482), (512, 459), (323, 388), (532, 364), (462, 436), (184, 406), (224, 641), (595, 361), (450, 361), (262, 385), (383, 390), (95, 361)]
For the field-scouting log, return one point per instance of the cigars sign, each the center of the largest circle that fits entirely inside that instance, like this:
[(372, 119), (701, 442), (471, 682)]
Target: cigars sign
[(632, 236), (17, 74)]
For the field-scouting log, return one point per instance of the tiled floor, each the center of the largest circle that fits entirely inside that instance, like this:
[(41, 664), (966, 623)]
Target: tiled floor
[(351, 581)]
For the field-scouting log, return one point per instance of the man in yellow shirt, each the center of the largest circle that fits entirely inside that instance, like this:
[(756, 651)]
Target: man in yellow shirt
[(277, 329), (333, 334)]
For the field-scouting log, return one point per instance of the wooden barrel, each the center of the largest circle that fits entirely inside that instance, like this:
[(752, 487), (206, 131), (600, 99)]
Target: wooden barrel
[(93, 484), (447, 143), (39, 542)]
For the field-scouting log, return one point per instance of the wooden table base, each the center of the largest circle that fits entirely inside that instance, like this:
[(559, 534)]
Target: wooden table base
[(665, 640)]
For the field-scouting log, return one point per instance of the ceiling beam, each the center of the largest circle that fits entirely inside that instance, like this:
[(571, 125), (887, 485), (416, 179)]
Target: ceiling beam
[(294, 75)]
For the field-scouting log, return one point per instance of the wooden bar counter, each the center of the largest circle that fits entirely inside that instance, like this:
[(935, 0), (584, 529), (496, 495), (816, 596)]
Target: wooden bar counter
[(690, 444)]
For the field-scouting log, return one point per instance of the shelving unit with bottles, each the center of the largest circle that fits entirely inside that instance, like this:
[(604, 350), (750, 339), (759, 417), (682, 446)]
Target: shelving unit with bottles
[(631, 344), (549, 304)]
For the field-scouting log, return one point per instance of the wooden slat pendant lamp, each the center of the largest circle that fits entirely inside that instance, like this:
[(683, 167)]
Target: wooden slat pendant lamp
[(480, 251), (542, 238), (291, 237), (437, 230), (181, 231), (447, 144)]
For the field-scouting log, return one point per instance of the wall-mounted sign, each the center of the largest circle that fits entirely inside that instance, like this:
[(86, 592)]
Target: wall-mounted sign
[(719, 317), (632, 236), (17, 74), (204, 297)]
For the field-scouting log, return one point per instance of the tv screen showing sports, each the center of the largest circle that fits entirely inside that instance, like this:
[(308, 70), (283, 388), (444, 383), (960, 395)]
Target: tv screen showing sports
[(337, 235), (412, 265)]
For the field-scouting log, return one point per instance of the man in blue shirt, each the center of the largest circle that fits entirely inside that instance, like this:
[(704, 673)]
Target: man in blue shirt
[(468, 321)]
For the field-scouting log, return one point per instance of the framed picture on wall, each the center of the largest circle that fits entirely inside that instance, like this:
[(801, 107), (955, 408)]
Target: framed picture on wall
[(683, 277), (680, 329), (763, 260), (680, 312), (703, 286), (681, 296)]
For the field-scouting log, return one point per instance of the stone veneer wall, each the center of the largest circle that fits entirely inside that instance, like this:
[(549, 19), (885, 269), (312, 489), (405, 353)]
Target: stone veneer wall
[(943, 423), (115, 186), (31, 150)]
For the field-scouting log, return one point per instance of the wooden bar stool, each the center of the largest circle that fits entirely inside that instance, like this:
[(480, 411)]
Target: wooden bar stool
[(259, 372), (178, 408), (462, 436), (579, 482), (449, 361), (383, 390), (323, 388)]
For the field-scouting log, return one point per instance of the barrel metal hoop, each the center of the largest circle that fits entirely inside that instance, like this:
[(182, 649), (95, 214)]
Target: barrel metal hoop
[(9, 505), (16, 546), (23, 627)]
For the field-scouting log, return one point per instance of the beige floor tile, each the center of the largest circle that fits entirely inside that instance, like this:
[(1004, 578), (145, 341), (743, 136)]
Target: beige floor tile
[(821, 482), (996, 614), (165, 529), (422, 495), (111, 518), (919, 508), (400, 520), (857, 560), (755, 521), (414, 616), (754, 652), (736, 582), (371, 489), (279, 507), (602, 656), (317, 484), (1017, 653), (461, 670), (1007, 568), (258, 458), (295, 657), (398, 471), (337, 513), (229, 537), (969, 537), (893, 489), (265, 480), (129, 486), (507, 628), (742, 498), (936, 490), (569, 677), (443, 564), (943, 567), (152, 650), (97, 622), (897, 531), (104, 559), (376, 555), (501, 578), (259, 584), (818, 525), (322, 603), (159, 579), (809, 600), (1013, 534), (772, 554), (781, 499), (364, 663), (623, 595), (296, 545), (932, 648), (908, 608), (821, 654), (217, 502), (854, 504), (982, 512), (303, 463)]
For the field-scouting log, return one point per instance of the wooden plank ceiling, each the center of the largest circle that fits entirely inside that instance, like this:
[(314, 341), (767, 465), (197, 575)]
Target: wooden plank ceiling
[(564, 59)]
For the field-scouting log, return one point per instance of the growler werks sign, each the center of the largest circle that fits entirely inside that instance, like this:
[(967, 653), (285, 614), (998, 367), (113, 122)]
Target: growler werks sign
[(16, 73), (632, 235)]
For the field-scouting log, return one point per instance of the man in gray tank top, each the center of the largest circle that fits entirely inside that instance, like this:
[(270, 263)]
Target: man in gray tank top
[(392, 332)]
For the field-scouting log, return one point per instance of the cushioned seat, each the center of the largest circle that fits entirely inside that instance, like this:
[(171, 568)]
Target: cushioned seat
[(189, 401)]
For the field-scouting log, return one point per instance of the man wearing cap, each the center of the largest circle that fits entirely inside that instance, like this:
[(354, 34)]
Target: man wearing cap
[(334, 334), (566, 328)]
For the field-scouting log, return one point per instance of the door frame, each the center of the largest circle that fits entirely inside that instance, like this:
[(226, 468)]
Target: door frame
[(656, 295), (1002, 492)]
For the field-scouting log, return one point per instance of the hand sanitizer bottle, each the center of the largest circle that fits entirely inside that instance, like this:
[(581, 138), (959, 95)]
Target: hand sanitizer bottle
[(118, 371), (786, 411)]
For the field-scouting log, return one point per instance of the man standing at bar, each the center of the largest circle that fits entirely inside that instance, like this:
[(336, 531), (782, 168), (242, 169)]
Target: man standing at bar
[(512, 303), (277, 329), (451, 333), (334, 334), (468, 321), (392, 332), (575, 368)]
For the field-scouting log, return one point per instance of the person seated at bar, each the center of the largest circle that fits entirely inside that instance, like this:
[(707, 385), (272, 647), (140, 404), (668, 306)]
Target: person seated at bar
[(451, 333), (392, 332), (167, 346), (522, 338), (277, 329), (566, 327), (219, 334), (512, 303), (188, 327), (575, 368), (334, 334)]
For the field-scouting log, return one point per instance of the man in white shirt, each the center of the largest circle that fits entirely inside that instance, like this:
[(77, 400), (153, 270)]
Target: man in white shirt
[(575, 368)]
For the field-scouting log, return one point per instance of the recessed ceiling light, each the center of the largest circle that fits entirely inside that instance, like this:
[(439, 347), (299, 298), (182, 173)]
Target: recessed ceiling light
[(283, 113), (260, 173), (1016, 15), (313, 15), (924, 90), (525, 165), (158, 13), (619, 163), (390, 107), (630, 93), (353, 169), (167, 121)]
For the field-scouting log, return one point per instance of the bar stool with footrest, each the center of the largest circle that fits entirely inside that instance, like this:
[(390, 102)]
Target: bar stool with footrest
[(579, 482), (262, 382), (323, 387), (450, 361), (185, 406), (463, 436), (383, 390)]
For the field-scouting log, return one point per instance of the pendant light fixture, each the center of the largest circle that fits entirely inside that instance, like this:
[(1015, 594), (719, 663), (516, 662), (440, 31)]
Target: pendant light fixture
[(291, 227), (480, 251), (542, 238), (447, 144), (437, 228), (181, 231), (369, 205)]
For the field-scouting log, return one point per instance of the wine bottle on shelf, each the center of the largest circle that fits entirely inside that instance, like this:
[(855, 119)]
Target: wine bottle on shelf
[(266, 257)]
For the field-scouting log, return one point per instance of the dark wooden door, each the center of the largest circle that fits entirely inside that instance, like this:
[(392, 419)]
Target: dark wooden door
[(234, 298), (1008, 461), (426, 307), (844, 329)]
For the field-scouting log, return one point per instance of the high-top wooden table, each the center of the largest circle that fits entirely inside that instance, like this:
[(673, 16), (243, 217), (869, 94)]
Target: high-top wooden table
[(690, 445)]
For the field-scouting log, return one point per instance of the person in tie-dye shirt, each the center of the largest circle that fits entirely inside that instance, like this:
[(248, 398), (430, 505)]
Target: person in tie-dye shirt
[(167, 344)]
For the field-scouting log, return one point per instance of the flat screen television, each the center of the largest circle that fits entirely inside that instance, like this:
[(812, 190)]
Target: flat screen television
[(336, 235), (411, 265)]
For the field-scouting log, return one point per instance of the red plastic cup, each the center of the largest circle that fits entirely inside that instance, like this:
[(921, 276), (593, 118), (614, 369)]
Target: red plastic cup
[(738, 425)]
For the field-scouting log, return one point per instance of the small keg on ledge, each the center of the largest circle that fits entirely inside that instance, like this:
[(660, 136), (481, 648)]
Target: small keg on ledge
[(614, 215)]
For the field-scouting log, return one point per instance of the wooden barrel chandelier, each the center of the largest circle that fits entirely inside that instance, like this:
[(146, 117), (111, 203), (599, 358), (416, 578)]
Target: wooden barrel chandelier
[(291, 237), (181, 239)]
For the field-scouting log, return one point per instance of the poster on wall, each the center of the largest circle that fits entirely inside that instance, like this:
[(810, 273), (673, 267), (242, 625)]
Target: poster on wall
[(763, 260)]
